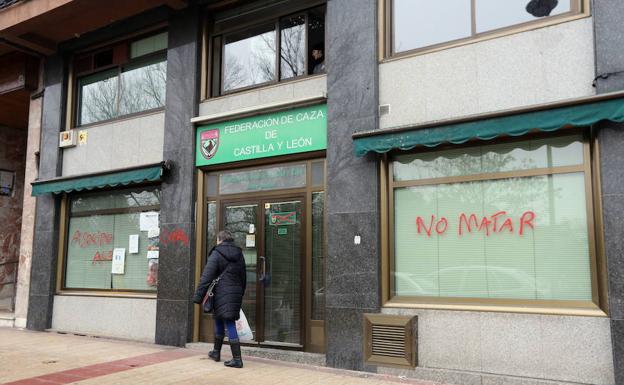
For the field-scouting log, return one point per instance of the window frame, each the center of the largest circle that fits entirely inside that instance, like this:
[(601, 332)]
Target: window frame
[(596, 307), (579, 9), (64, 237), (75, 77), (212, 49)]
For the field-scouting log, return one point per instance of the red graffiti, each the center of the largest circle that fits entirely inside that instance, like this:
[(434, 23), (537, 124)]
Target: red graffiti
[(176, 236), (441, 225), (86, 239), (525, 220), (498, 222), (102, 257)]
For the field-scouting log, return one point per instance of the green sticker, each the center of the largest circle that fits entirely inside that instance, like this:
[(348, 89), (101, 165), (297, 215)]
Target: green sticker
[(282, 231)]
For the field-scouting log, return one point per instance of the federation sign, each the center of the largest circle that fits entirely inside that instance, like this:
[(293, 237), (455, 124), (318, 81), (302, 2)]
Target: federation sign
[(287, 132)]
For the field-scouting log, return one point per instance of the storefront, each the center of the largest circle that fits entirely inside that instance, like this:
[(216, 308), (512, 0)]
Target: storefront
[(499, 219), (262, 178)]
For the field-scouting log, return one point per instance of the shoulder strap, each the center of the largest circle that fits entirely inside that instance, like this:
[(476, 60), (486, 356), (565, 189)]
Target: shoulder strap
[(226, 267)]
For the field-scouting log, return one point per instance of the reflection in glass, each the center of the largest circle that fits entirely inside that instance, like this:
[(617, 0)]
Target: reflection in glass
[(249, 58), (98, 97), (211, 226), (318, 256), (263, 179), (142, 87), (99, 223), (549, 260), (421, 23), (282, 302), (292, 47), (318, 173), (149, 45), (149, 196), (494, 14), (239, 221), (512, 156)]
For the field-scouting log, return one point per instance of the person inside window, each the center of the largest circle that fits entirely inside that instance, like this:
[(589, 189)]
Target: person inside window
[(318, 62)]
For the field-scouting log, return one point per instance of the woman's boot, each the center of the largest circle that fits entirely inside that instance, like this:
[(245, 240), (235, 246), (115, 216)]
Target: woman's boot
[(215, 353), (237, 360)]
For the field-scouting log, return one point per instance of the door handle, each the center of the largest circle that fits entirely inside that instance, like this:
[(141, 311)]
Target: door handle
[(263, 268)]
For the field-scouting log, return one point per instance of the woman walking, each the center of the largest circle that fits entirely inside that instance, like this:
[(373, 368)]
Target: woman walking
[(226, 261)]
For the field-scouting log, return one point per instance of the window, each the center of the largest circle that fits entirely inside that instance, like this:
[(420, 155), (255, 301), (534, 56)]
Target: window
[(103, 226), (276, 50), (418, 24), (497, 221), (121, 80)]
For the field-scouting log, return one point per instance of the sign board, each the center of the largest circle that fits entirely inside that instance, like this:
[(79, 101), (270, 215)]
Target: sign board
[(286, 132), (281, 219)]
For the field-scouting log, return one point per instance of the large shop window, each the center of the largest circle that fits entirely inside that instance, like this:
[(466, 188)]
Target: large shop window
[(121, 80), (419, 24), (497, 221), (276, 50), (112, 240)]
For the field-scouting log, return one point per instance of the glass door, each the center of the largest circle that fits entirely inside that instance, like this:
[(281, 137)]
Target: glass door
[(273, 243), (241, 220), (282, 280)]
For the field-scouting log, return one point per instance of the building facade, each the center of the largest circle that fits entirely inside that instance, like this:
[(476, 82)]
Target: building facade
[(418, 189)]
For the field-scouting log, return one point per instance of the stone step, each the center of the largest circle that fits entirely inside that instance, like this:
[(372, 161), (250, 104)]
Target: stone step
[(273, 354)]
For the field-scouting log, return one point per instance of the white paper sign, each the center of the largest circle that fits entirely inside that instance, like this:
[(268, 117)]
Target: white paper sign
[(153, 233), (250, 240), (148, 221), (152, 254), (119, 261), (133, 246)]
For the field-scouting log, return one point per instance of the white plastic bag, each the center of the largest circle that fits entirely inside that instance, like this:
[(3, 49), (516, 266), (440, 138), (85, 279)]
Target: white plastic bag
[(243, 329)]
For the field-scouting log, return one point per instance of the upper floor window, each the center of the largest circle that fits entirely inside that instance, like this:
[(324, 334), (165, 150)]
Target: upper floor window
[(421, 24), (269, 52), (119, 80)]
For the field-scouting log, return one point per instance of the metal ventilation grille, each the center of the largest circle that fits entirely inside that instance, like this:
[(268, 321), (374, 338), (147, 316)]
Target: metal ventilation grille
[(390, 340)]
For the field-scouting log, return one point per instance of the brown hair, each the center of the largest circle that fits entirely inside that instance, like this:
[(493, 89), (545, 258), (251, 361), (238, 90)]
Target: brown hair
[(224, 236)]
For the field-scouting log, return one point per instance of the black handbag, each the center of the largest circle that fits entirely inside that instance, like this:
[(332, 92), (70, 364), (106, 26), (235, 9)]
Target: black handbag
[(208, 302)]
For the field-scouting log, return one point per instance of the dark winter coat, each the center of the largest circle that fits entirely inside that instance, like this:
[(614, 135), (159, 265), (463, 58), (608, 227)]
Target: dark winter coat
[(228, 293)]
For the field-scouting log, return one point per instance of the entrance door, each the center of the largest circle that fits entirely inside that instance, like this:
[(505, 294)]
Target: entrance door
[(271, 233)]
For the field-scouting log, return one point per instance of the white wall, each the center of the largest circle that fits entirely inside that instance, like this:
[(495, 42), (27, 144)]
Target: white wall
[(539, 66), (281, 92), (129, 318), (119, 144), (545, 347)]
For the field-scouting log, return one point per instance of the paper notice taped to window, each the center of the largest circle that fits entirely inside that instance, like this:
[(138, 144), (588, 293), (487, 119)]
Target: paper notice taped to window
[(250, 240), (133, 244), (119, 261), (148, 221), (153, 233)]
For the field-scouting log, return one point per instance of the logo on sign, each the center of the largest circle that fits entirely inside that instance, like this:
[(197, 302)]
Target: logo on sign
[(209, 143)]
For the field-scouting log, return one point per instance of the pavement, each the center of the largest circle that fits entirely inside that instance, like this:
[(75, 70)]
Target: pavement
[(50, 358)]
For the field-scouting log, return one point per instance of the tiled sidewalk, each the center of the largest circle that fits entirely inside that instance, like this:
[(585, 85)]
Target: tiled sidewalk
[(32, 358)]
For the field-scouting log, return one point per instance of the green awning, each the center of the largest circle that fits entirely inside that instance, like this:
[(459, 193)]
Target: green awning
[(125, 177), (577, 113)]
